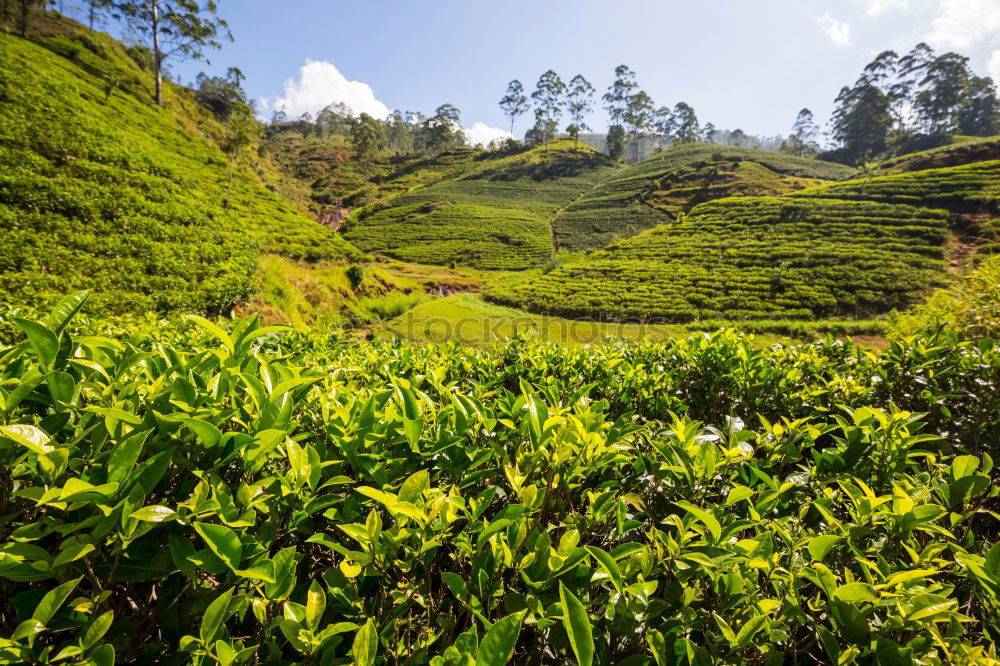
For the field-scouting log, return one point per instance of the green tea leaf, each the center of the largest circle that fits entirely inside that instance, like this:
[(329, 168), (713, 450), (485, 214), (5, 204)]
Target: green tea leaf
[(43, 341), (577, 624), (215, 615), (365, 645), (223, 542), (820, 546), (498, 644), (30, 437)]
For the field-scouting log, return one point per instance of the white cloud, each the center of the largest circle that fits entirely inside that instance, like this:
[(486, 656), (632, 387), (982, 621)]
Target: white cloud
[(482, 134), (320, 84), (995, 65), (839, 32), (961, 24), (877, 7)]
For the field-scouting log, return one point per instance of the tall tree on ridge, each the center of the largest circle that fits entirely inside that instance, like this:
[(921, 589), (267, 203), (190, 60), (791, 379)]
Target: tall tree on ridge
[(514, 103), (686, 127), (639, 117), (548, 99), (804, 132), (174, 29), (663, 123), (367, 138), (581, 101)]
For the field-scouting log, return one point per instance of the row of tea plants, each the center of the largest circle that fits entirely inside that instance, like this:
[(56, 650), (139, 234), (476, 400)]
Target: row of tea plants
[(222, 492)]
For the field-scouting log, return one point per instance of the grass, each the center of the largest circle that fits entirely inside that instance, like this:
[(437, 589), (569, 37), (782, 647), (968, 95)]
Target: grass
[(751, 258), (467, 319), (631, 200), (494, 215), (309, 297), (101, 189)]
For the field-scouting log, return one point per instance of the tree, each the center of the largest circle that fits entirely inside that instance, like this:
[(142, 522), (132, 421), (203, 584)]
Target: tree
[(548, 99), (367, 138), (514, 103), (804, 132), (638, 117), (861, 121), (709, 132), (399, 132), (737, 138), (686, 127), (443, 129), (94, 10), (663, 124), (241, 132), (616, 142), (616, 99), (174, 29), (580, 99), (221, 95), (979, 114), (27, 7), (943, 87)]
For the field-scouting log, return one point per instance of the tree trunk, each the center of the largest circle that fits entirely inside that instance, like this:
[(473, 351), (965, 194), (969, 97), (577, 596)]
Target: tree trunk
[(229, 186), (157, 56)]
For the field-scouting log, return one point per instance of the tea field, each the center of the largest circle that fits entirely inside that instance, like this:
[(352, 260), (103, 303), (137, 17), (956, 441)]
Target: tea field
[(495, 215), (639, 197), (751, 258), (222, 492), (100, 189)]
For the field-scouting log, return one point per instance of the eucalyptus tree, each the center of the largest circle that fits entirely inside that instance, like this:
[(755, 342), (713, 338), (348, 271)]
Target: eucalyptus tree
[(549, 99), (686, 127), (804, 132), (515, 102), (663, 124), (367, 138), (182, 29), (639, 118), (580, 101)]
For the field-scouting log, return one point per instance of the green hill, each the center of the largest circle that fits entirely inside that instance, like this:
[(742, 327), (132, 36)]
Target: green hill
[(493, 215), (960, 150), (654, 191), (101, 189), (751, 258)]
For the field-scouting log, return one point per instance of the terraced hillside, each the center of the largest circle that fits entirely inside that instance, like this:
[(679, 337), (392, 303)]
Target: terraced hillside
[(494, 215), (101, 189), (752, 258), (654, 191), (969, 192), (960, 150)]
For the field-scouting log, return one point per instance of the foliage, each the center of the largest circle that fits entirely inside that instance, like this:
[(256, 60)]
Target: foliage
[(628, 201), (491, 214), (971, 306), (103, 190), (751, 258), (240, 494)]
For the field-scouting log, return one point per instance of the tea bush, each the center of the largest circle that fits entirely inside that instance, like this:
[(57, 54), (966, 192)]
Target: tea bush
[(493, 214), (631, 200), (232, 493), (99, 188), (751, 258)]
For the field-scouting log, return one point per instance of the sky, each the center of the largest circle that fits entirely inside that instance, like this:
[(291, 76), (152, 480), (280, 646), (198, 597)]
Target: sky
[(740, 63)]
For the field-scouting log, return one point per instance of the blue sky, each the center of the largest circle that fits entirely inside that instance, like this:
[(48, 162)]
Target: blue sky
[(739, 63)]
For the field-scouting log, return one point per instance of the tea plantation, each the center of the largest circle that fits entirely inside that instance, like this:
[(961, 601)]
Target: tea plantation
[(751, 258), (652, 192), (228, 493), (967, 188), (494, 215), (99, 188)]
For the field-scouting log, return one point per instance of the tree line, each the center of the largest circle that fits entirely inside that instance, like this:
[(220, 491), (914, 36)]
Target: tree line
[(632, 114)]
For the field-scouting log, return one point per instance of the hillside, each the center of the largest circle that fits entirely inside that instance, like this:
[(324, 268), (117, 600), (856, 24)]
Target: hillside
[(101, 189), (751, 258), (654, 191), (493, 215)]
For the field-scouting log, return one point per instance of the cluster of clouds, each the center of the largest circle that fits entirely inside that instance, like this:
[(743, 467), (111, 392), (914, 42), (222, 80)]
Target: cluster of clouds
[(957, 24), (320, 84)]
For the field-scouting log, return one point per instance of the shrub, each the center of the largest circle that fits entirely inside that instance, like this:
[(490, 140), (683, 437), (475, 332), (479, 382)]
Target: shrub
[(356, 275)]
